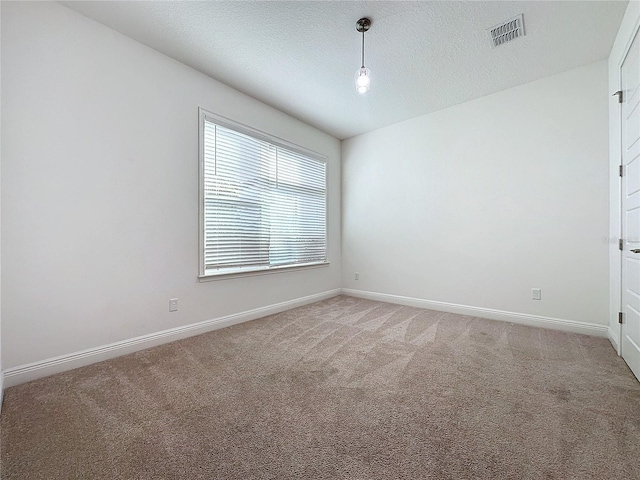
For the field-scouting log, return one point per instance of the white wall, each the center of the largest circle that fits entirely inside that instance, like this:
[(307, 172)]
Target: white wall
[(100, 189), (628, 27), (477, 204)]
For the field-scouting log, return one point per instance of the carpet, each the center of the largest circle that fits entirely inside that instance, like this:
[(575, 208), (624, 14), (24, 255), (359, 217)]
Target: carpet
[(345, 388)]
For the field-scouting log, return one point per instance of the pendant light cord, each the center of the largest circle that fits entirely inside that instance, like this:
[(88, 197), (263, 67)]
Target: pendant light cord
[(363, 48)]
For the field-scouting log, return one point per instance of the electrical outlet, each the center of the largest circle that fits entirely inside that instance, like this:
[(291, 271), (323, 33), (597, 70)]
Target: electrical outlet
[(357, 276), (536, 294), (173, 305)]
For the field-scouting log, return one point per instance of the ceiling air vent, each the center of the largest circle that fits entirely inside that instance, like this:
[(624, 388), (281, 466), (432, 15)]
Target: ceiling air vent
[(506, 31)]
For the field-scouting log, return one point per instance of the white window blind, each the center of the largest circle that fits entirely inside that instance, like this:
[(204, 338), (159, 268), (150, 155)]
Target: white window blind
[(264, 203)]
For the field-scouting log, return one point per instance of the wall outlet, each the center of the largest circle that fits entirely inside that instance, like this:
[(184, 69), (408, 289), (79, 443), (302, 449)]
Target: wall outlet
[(357, 276), (536, 294), (173, 305)]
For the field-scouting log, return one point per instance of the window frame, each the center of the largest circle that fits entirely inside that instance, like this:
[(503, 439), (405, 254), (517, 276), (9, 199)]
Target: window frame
[(204, 276)]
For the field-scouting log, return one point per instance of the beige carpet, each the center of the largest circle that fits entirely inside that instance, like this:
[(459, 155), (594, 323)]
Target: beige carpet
[(345, 389)]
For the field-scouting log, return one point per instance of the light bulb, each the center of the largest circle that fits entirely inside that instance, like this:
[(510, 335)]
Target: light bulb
[(363, 80)]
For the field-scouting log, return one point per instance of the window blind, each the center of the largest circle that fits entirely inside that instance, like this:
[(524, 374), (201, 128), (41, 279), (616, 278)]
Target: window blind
[(264, 203)]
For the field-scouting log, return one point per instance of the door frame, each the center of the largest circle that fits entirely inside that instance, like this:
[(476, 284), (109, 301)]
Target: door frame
[(629, 28)]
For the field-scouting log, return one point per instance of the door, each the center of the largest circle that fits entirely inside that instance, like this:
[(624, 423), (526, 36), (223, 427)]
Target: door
[(630, 188)]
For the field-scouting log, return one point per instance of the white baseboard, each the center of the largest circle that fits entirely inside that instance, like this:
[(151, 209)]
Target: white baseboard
[(32, 371), (614, 339), (1, 390), (513, 317)]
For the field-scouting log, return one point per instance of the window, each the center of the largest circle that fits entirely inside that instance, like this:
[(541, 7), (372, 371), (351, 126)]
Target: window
[(262, 200)]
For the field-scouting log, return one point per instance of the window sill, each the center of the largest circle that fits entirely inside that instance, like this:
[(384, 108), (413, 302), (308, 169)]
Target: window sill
[(210, 277)]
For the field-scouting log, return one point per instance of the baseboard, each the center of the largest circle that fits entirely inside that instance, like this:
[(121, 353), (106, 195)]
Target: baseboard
[(32, 371), (1, 390), (614, 339), (513, 317)]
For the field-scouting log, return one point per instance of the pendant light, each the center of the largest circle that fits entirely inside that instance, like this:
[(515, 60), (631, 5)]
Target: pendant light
[(363, 74)]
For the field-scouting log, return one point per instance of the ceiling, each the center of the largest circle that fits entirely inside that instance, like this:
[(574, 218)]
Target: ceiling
[(301, 56)]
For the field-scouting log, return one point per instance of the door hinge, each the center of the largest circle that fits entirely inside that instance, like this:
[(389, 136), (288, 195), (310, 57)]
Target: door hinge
[(619, 94), (620, 315), (620, 244), (621, 170)]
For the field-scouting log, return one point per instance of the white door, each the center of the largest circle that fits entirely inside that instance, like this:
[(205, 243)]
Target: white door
[(630, 126)]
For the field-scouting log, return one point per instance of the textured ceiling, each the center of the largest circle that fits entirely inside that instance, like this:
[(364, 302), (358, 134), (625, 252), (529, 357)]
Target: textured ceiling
[(301, 57)]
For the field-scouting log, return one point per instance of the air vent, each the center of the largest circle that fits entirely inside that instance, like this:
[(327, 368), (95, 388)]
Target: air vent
[(506, 31)]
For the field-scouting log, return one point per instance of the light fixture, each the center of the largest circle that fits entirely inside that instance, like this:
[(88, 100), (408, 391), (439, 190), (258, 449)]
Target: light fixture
[(363, 75)]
